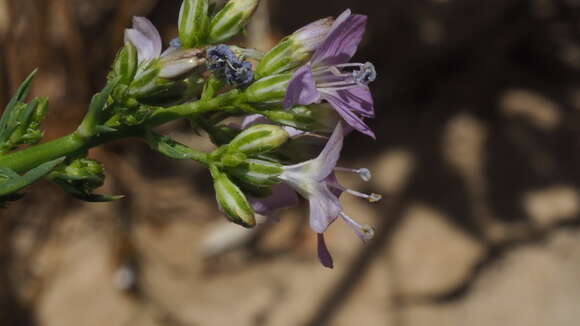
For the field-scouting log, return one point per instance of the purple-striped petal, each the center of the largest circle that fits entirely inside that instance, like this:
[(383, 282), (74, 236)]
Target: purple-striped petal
[(145, 37), (330, 154), (359, 99), (301, 88), (323, 254), (283, 196), (343, 40), (347, 115)]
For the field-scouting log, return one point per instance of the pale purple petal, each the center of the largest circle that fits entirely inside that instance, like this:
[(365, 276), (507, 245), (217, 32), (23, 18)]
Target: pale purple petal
[(145, 37), (253, 119), (323, 254), (324, 209), (342, 42), (330, 154), (283, 196), (311, 36), (301, 89), (349, 117)]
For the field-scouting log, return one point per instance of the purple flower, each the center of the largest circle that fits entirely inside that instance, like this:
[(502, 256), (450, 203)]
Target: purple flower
[(315, 181), (328, 76), (175, 61), (145, 38)]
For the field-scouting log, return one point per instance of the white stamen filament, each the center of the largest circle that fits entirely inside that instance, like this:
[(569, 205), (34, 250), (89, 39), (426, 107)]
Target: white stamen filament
[(350, 75), (372, 198), (365, 232), (363, 173)]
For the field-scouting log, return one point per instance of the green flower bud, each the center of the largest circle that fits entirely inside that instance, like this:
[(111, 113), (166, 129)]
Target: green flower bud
[(270, 89), (146, 80), (233, 159), (125, 65), (25, 124), (257, 172), (193, 23), (318, 118), (20, 122), (258, 139), (171, 78), (80, 177), (294, 50), (230, 21), (232, 200)]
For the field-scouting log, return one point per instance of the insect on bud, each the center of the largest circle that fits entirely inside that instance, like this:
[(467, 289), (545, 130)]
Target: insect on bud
[(193, 23), (230, 21), (259, 139), (232, 200)]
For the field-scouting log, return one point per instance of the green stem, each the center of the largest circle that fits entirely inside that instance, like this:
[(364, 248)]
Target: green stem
[(28, 158)]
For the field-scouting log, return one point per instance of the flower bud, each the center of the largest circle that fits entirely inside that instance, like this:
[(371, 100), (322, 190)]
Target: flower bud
[(317, 118), (26, 123), (296, 49), (232, 201), (257, 172), (233, 159), (84, 174), (229, 21), (258, 139), (180, 62), (159, 77), (145, 80), (125, 65), (270, 89), (193, 23)]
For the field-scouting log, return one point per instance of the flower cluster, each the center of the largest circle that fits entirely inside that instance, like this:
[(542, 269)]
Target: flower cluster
[(297, 103)]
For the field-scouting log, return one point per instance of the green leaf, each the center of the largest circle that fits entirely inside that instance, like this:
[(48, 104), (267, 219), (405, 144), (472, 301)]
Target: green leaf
[(15, 182), (20, 122), (96, 114)]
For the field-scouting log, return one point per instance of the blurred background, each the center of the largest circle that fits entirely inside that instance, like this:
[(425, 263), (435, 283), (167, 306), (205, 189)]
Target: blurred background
[(477, 156)]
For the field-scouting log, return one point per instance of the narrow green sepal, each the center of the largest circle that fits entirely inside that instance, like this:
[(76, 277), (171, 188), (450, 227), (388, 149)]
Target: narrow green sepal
[(20, 122), (169, 147), (14, 182), (193, 23), (84, 196), (97, 114), (125, 65)]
